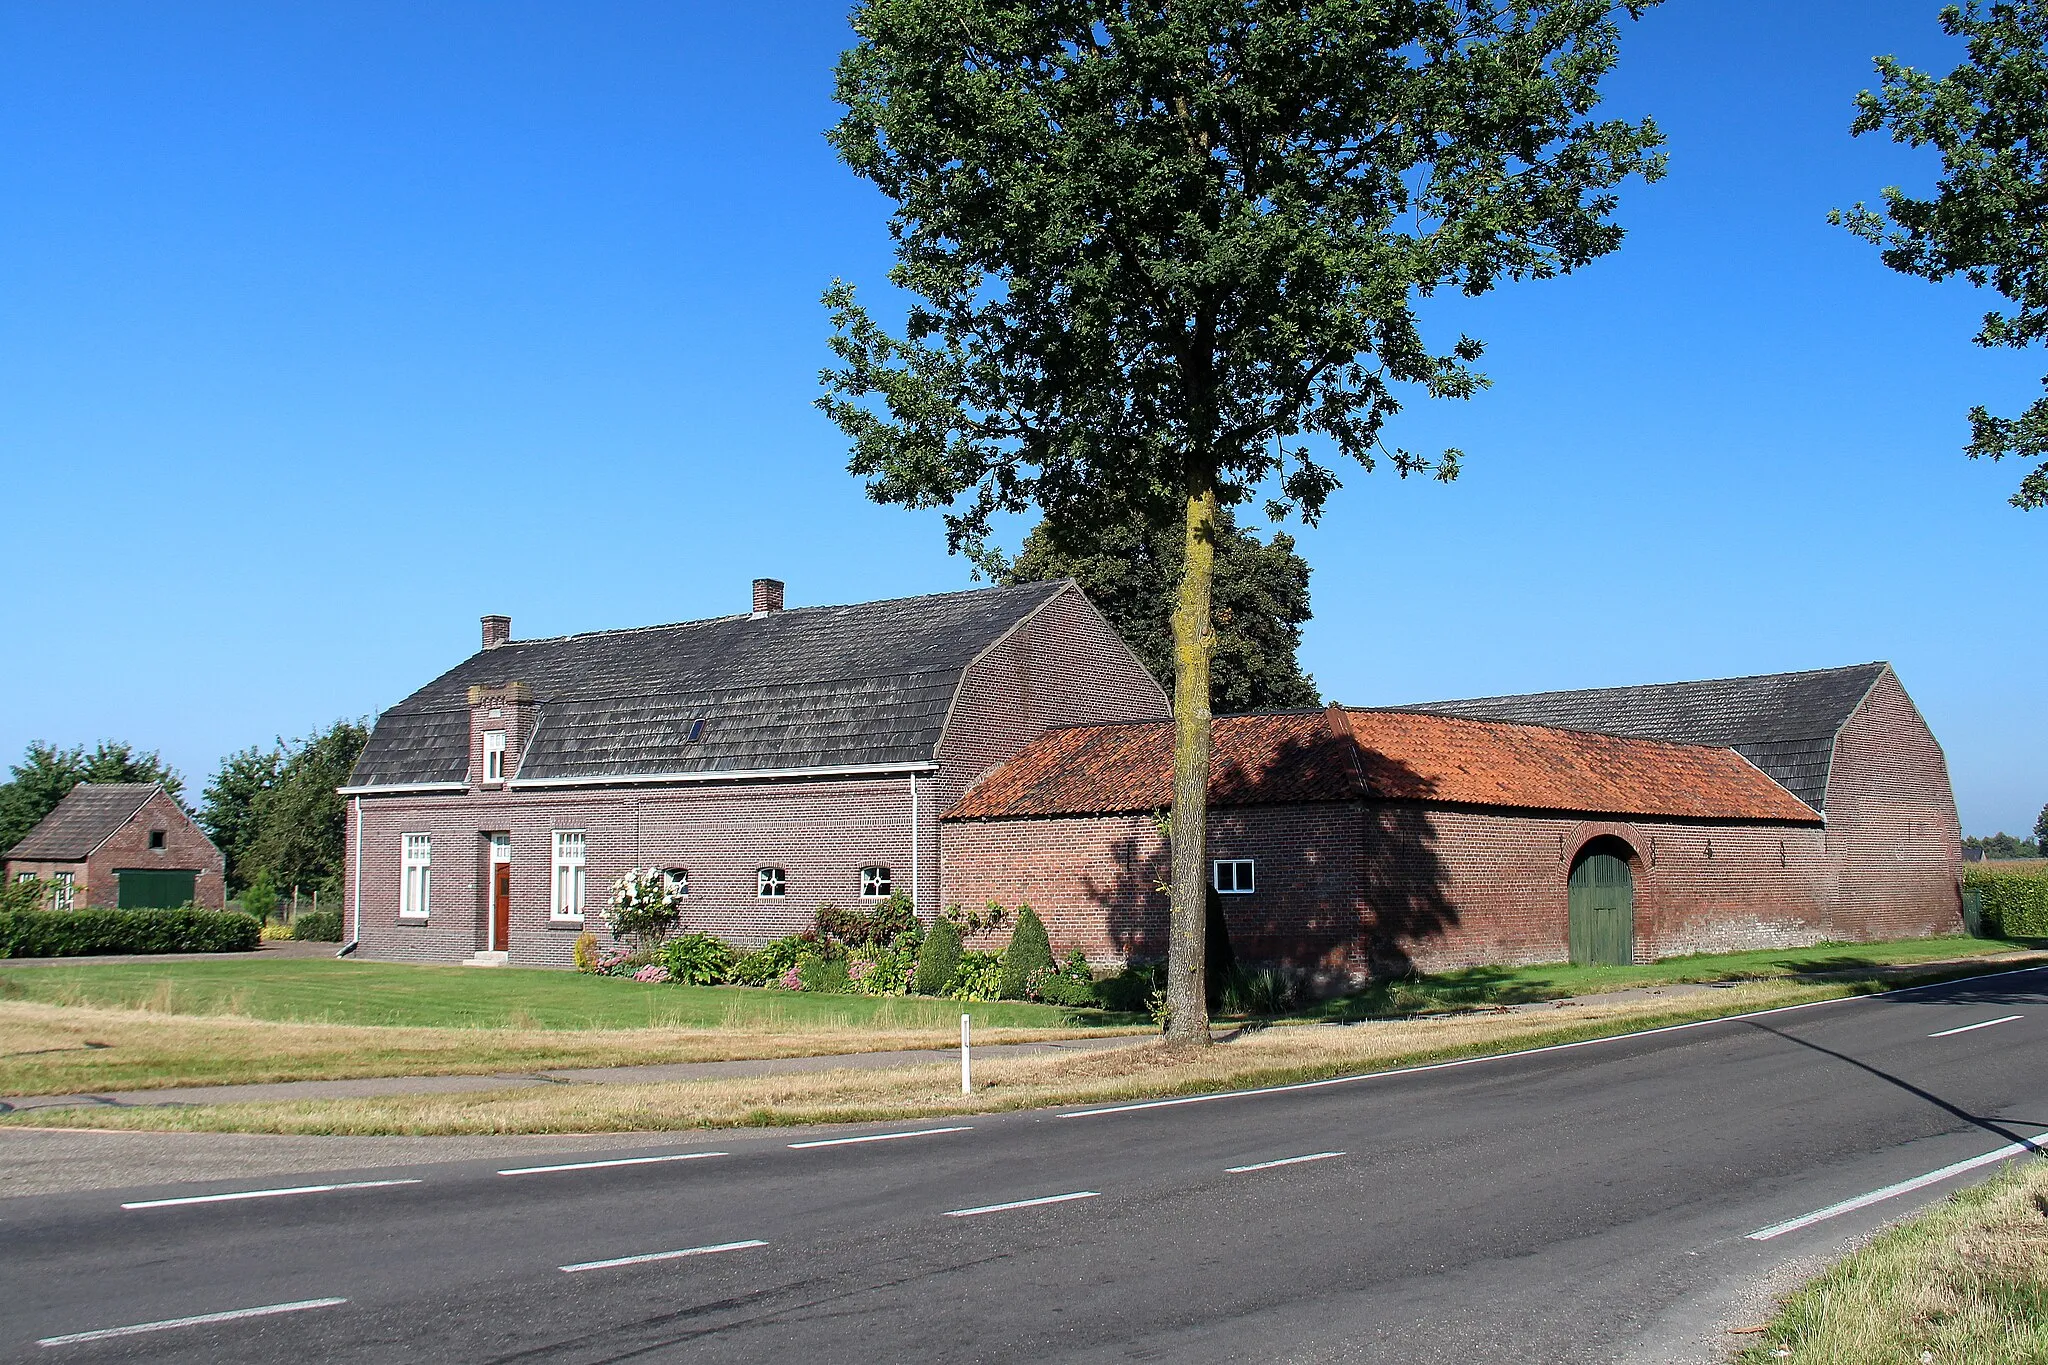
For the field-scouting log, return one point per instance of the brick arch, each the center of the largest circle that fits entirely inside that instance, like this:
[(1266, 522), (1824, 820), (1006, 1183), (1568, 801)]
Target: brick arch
[(1586, 831)]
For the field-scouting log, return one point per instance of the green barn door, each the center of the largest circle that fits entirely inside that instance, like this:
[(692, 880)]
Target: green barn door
[(148, 889), (1603, 926)]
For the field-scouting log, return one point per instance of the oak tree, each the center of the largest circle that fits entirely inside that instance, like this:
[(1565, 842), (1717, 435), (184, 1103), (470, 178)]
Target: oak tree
[(1176, 249)]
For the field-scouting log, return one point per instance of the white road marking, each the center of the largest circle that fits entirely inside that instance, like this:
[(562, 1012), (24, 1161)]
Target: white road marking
[(1283, 1161), (199, 1320), (264, 1194), (1511, 1056), (880, 1137), (617, 1261), (1025, 1203), (617, 1161), (1892, 1191), (1970, 1028)]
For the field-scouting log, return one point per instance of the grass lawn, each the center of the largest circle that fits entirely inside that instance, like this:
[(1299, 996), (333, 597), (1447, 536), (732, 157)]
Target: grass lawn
[(325, 991), (1480, 987), (1965, 1282)]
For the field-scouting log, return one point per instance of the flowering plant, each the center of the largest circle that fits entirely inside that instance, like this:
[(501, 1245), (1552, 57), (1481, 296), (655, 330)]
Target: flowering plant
[(645, 904), (791, 980), (653, 974)]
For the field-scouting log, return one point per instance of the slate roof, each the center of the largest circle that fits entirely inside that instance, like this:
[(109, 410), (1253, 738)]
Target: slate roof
[(1344, 754), (1785, 723), (809, 687), (82, 821)]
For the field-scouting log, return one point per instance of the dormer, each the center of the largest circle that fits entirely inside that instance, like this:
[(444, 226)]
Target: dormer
[(500, 723)]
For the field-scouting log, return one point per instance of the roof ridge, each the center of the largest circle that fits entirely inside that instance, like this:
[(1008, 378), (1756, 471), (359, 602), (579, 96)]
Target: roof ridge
[(1540, 725), (786, 611), (1645, 686)]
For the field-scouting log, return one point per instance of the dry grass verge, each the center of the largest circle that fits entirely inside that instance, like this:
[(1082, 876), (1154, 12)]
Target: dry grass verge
[(1267, 1057), (68, 1049), (1964, 1284)]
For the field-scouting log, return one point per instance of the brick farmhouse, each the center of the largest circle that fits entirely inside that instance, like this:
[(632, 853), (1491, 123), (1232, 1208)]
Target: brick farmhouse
[(123, 844), (1005, 744)]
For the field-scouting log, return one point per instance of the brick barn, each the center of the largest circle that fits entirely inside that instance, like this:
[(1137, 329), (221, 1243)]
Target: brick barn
[(128, 845), (1005, 744), (774, 760), (1611, 825)]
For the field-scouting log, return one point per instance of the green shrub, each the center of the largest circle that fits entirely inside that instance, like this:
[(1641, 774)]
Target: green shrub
[(979, 977), (80, 933), (2015, 899), (826, 974), (31, 893), (890, 970), (260, 897), (318, 926), (1130, 989), (584, 951), (771, 961), (888, 921), (939, 958), (1060, 989), (696, 959), (1029, 954), (1267, 990)]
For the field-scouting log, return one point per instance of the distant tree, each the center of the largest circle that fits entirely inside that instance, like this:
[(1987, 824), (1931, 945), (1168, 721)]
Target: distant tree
[(1988, 119), (2003, 845), (46, 775), (301, 820), (228, 812), (2041, 829), (1131, 568), (259, 897)]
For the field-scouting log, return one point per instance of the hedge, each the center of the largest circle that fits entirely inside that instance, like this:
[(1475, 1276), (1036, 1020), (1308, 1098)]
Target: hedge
[(2015, 899), (79, 933), (318, 926)]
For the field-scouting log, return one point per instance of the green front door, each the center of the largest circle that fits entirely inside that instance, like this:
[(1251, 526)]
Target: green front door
[(149, 889), (1603, 928)]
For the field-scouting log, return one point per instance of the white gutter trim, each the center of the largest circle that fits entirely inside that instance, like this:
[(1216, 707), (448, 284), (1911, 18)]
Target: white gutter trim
[(724, 775), (356, 935), (914, 857), (403, 787)]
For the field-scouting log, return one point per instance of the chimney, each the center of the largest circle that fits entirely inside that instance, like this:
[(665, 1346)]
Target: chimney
[(497, 630), (767, 595)]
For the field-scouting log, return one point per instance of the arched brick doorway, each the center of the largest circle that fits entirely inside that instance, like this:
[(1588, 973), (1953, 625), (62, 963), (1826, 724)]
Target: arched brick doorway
[(1601, 892)]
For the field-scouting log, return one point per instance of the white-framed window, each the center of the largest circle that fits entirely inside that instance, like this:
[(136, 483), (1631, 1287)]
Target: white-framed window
[(569, 875), (678, 879), (24, 876), (494, 755), (771, 883), (501, 848), (61, 898), (1233, 877), (417, 890), (874, 882)]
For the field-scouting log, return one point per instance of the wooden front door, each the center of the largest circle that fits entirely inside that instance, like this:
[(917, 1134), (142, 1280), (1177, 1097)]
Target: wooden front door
[(501, 906), (1603, 919)]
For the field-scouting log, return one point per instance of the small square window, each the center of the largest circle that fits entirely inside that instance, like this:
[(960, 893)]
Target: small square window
[(678, 879), (874, 883), (156, 838), (1233, 877), (772, 883)]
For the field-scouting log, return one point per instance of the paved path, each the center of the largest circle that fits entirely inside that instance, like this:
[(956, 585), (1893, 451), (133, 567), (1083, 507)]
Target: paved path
[(1618, 1200), (372, 1086)]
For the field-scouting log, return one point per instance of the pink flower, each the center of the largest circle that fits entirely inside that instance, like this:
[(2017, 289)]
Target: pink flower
[(792, 980)]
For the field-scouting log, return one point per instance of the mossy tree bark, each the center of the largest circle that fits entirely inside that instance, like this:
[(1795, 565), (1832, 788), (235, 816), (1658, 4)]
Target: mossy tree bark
[(1194, 641)]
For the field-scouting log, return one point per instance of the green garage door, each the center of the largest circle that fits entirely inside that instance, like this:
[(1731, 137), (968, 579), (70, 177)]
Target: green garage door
[(148, 889), (1603, 908)]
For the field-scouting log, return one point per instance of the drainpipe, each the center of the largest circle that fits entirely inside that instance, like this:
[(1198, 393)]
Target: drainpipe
[(355, 935), (914, 856)]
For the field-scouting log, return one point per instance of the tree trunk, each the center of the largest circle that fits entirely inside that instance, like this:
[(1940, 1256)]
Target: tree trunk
[(1193, 643)]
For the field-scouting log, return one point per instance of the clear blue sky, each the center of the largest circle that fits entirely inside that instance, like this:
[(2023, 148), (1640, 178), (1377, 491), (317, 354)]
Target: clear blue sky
[(326, 328)]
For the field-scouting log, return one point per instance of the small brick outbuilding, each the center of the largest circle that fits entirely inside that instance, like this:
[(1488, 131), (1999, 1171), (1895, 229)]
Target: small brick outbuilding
[(1695, 817), (122, 844)]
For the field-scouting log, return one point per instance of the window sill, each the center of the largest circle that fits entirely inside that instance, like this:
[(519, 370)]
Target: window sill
[(413, 919), (564, 922)]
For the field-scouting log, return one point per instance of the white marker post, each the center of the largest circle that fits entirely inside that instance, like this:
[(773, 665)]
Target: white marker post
[(966, 1066)]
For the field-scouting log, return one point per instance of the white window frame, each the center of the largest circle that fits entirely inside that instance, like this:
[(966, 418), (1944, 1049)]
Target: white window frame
[(416, 875), (678, 879), (494, 756), (1244, 879), (501, 848), (65, 894), (771, 883), (570, 897), (876, 882)]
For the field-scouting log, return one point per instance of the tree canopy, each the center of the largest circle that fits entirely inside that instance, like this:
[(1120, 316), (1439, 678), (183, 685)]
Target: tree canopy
[(46, 774), (276, 810), (1175, 251), (1988, 219), (1130, 569)]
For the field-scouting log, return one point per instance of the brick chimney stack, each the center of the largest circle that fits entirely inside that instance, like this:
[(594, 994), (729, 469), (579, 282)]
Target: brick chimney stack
[(497, 630), (767, 595)]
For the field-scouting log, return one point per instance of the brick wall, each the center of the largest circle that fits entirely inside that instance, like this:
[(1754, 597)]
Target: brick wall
[(186, 849), (822, 832), (1893, 836), (1346, 889)]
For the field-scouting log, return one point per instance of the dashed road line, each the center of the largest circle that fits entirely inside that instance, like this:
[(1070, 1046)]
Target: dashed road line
[(1283, 1161), (265, 1194), (1024, 1203), (651, 1256), (1971, 1028), (879, 1137), (614, 1161), (197, 1320)]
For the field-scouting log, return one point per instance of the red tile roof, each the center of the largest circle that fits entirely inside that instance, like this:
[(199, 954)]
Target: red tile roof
[(1341, 754)]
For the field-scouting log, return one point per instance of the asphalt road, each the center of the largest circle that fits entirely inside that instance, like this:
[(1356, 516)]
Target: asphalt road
[(1595, 1202)]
